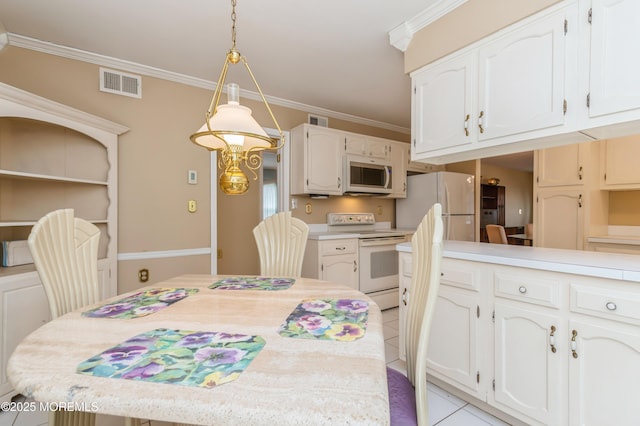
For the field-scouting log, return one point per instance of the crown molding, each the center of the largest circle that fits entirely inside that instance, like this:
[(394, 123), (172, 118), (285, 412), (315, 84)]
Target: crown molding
[(401, 36), (132, 67)]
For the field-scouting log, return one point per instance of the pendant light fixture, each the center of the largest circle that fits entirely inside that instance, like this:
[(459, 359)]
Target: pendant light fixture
[(232, 131)]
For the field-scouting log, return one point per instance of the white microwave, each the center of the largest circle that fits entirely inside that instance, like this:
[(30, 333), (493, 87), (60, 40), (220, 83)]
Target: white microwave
[(364, 175)]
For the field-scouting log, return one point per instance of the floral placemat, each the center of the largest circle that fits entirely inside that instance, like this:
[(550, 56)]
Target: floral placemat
[(141, 303), (189, 358), (327, 319), (253, 283)]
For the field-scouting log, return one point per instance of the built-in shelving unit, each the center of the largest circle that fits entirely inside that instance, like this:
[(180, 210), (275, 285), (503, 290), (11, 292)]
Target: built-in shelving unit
[(51, 157)]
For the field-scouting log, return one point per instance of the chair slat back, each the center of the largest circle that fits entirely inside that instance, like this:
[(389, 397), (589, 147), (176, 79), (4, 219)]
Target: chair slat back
[(426, 246), (281, 241), (65, 253)]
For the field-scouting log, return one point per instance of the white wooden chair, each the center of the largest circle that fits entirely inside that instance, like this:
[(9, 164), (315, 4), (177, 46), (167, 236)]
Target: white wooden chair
[(281, 241), (65, 252), (408, 394)]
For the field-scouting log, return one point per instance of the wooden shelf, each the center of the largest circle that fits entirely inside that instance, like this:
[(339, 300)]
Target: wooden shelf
[(35, 176), (7, 224)]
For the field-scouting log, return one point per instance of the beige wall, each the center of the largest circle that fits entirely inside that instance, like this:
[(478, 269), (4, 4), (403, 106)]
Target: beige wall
[(468, 23), (624, 208), (154, 158), (383, 208), (518, 193)]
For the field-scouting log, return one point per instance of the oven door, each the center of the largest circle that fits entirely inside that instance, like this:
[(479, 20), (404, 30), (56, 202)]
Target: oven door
[(379, 263)]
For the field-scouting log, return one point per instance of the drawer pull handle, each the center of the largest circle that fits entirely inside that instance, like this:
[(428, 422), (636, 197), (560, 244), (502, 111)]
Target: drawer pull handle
[(341, 248), (611, 306), (552, 339), (404, 296), (522, 289), (574, 345)]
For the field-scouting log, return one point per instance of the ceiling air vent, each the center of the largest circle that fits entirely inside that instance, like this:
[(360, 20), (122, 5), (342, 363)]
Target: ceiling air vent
[(120, 83), (318, 121)]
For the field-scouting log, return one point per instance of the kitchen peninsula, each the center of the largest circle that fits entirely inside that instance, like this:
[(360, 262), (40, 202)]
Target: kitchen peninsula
[(546, 336)]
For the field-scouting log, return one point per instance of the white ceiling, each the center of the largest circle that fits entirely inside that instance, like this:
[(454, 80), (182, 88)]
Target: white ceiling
[(332, 55)]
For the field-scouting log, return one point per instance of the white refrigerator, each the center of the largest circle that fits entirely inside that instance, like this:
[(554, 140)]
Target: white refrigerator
[(456, 193)]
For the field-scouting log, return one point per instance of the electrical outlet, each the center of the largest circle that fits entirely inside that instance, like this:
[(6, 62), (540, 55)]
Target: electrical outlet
[(379, 209), (307, 208), (143, 275)]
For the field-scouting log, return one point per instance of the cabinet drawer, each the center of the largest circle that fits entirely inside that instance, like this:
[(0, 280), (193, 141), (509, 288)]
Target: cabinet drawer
[(460, 274), (605, 302), (328, 248), (531, 289)]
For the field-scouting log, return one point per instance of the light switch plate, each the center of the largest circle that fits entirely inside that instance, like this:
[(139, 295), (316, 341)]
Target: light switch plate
[(192, 177)]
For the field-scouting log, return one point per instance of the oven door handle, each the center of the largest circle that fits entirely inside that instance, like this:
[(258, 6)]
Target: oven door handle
[(383, 241)]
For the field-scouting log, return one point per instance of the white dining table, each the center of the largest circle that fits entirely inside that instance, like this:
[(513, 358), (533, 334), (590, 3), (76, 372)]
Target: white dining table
[(290, 381)]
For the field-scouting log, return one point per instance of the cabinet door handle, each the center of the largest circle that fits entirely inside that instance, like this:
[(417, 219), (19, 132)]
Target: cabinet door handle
[(466, 125), (522, 289), (580, 173), (355, 266), (480, 121), (574, 345), (611, 306), (580, 200), (404, 296), (339, 183), (552, 339)]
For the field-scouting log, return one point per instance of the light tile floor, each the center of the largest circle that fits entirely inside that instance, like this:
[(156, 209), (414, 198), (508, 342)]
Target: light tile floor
[(444, 409)]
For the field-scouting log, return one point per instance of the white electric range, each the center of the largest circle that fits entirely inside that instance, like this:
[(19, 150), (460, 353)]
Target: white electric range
[(377, 255)]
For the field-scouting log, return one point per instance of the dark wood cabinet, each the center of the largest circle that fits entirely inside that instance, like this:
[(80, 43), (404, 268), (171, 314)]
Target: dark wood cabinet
[(491, 208)]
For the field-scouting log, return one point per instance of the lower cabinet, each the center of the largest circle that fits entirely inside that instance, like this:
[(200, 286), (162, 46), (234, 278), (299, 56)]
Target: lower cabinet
[(542, 347), (23, 308), (332, 260), (604, 374), (453, 354), (529, 383), (560, 219)]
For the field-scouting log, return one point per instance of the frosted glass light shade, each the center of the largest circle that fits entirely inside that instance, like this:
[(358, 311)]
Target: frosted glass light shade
[(232, 119)]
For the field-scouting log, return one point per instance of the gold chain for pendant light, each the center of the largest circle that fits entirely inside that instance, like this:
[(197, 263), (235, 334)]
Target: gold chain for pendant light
[(233, 24)]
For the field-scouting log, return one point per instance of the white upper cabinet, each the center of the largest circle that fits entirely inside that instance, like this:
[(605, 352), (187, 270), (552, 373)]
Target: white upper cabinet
[(613, 86), (367, 146), (521, 79), (316, 160), (562, 165), (399, 153), (443, 104), (619, 163), (498, 95)]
